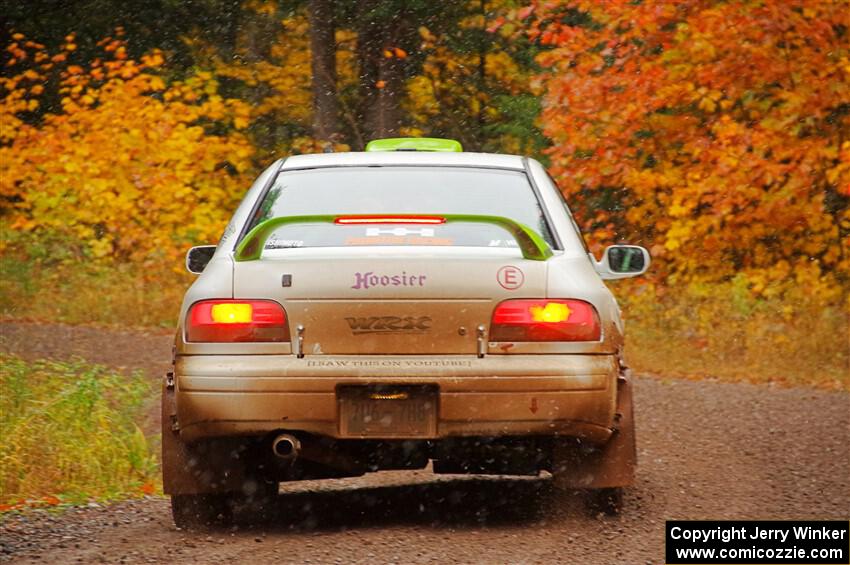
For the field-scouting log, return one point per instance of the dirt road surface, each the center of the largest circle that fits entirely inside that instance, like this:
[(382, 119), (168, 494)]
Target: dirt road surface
[(707, 450)]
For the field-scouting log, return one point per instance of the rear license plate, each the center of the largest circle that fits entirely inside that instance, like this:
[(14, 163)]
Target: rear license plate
[(387, 411)]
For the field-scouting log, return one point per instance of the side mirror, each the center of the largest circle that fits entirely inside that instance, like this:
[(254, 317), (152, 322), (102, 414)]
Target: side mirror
[(622, 262), (198, 257)]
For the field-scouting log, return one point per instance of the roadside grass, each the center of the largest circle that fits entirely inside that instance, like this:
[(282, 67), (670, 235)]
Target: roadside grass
[(50, 279), (69, 434), (725, 333)]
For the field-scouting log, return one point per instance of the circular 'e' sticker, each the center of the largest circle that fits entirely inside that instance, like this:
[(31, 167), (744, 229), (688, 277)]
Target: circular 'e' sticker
[(510, 277)]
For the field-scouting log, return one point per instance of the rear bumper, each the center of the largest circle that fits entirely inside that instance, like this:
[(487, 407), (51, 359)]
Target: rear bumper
[(499, 395)]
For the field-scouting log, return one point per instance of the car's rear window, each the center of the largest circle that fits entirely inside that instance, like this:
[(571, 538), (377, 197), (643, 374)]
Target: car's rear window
[(400, 190)]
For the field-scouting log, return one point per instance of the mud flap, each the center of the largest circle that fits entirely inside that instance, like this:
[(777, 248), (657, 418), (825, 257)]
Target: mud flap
[(208, 467), (611, 465)]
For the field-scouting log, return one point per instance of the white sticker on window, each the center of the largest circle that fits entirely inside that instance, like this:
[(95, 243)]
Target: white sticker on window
[(421, 232)]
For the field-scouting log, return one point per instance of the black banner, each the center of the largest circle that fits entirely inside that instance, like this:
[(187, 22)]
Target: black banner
[(745, 542)]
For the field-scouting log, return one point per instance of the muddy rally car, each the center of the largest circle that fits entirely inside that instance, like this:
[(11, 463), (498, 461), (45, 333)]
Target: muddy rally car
[(406, 305)]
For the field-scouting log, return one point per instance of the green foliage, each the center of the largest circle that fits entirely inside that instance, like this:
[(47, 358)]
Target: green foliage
[(476, 84), (518, 116), (68, 432)]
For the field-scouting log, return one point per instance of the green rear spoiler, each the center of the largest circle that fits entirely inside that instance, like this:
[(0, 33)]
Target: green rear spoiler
[(414, 144), (533, 246)]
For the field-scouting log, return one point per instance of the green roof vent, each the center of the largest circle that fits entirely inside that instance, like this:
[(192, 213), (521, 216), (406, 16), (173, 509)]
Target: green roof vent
[(414, 144)]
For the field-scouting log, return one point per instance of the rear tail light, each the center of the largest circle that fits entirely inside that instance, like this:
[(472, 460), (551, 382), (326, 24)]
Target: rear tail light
[(545, 320), (236, 321), (374, 219)]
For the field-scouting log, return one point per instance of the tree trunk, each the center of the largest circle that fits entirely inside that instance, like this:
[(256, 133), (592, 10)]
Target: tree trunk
[(257, 33), (381, 77), (387, 115), (323, 66)]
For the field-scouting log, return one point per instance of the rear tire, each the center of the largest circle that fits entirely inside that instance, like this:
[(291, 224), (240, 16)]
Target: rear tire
[(193, 511), (257, 503), (608, 501)]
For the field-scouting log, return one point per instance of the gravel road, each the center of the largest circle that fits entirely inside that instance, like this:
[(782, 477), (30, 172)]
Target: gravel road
[(707, 450)]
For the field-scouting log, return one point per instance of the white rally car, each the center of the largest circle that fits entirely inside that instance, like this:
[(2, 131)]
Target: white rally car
[(386, 309)]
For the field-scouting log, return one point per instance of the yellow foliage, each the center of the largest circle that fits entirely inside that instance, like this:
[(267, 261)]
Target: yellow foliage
[(723, 331), (130, 165), (279, 84), (461, 93)]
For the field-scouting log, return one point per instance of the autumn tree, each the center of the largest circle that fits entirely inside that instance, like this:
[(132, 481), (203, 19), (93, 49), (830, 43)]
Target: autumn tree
[(153, 24), (132, 167), (353, 71), (475, 84), (716, 133), (387, 55)]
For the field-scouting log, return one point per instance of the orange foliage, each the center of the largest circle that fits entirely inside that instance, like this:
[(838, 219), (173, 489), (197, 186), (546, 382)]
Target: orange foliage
[(720, 132), (132, 166)]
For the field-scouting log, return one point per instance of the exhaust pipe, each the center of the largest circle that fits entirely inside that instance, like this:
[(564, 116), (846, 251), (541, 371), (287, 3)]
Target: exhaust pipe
[(286, 447)]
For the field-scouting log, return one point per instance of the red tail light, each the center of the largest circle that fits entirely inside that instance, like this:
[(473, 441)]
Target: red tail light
[(545, 320), (371, 219), (236, 320)]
